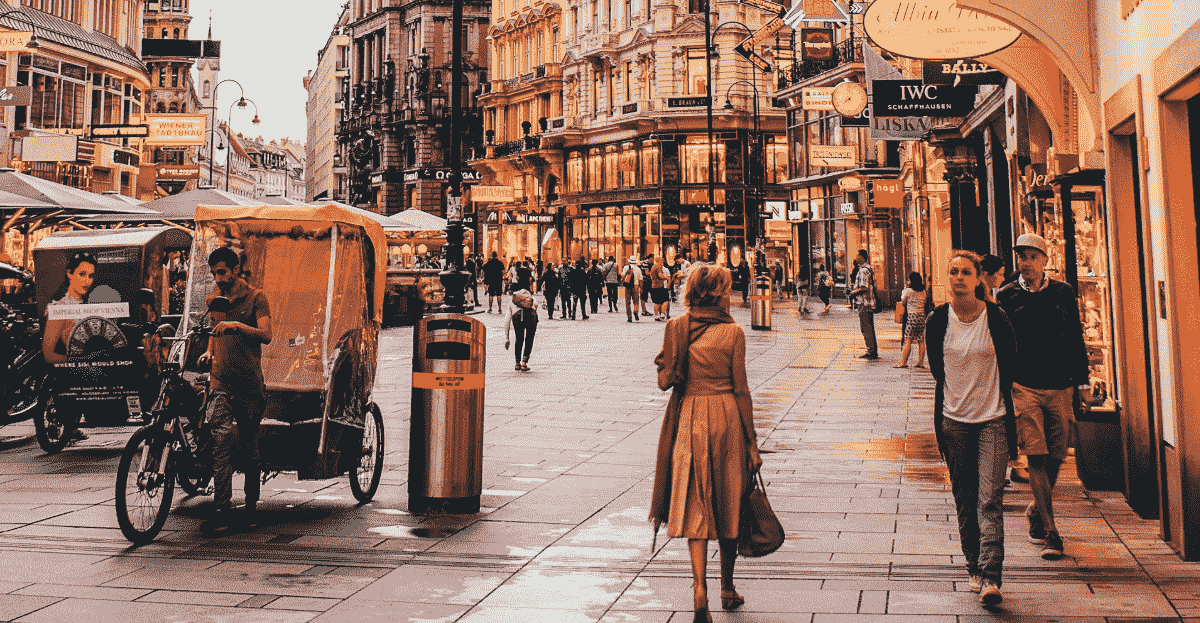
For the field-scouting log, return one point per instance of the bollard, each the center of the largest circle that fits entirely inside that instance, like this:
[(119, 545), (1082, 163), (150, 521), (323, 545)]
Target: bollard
[(445, 464), (760, 304)]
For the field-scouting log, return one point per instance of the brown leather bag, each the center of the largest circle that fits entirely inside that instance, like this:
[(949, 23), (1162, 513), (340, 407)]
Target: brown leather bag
[(760, 532)]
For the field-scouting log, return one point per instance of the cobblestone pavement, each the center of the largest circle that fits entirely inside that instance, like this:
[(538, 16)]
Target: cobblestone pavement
[(568, 461)]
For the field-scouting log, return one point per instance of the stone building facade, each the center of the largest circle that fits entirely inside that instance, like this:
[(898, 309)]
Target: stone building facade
[(326, 171), (172, 89)]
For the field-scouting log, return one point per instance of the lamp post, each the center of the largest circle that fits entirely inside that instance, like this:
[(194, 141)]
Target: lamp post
[(241, 103), (454, 281), (212, 121), (712, 169), (758, 145)]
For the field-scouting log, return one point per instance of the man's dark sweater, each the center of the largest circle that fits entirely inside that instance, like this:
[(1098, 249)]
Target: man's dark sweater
[(1049, 335)]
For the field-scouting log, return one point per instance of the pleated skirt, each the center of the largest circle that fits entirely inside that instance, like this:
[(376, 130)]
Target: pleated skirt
[(708, 469)]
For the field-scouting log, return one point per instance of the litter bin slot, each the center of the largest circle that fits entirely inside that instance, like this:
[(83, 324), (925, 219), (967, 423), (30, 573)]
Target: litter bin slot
[(457, 351), (453, 324)]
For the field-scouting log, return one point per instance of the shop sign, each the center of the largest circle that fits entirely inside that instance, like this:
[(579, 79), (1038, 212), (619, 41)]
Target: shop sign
[(846, 208), (377, 178), (816, 44), (795, 215), (961, 71), (817, 98), (56, 148), (176, 130), (904, 98), (888, 193), (15, 96), (861, 120), (120, 131), (1036, 178), (493, 194), (777, 230), (935, 29), (850, 183), (832, 155), (178, 172), (539, 218), (775, 209), (687, 102), (17, 41), (441, 175)]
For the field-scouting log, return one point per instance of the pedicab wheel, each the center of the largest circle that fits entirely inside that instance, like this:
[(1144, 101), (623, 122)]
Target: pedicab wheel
[(52, 425), (143, 494), (194, 485), (364, 480)]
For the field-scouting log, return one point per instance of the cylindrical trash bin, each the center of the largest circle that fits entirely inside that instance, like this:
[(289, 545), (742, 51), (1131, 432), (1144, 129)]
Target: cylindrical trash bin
[(445, 464), (760, 304)]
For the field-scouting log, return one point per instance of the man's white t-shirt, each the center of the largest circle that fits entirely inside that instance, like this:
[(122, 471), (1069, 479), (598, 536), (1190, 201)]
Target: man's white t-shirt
[(972, 389)]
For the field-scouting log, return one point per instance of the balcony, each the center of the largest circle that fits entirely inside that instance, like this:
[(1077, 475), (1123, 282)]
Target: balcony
[(849, 51), (515, 147)]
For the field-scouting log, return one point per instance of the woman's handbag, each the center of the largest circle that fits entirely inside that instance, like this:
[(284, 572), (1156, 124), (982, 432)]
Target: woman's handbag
[(901, 312), (760, 532)]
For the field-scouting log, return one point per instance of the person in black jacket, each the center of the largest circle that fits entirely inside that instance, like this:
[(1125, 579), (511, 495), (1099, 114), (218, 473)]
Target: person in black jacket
[(579, 288), (493, 278), (1054, 366), (973, 357), (549, 285), (595, 285), (564, 288)]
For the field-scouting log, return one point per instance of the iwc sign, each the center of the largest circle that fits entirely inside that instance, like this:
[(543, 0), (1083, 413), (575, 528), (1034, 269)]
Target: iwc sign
[(935, 29)]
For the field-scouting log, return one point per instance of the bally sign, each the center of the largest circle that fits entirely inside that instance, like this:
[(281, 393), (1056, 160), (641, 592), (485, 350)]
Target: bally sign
[(832, 155), (961, 71), (935, 29), (176, 129), (15, 96), (907, 98)]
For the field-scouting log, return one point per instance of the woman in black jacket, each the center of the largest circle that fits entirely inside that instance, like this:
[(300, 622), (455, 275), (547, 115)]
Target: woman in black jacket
[(972, 355), (549, 284), (579, 286)]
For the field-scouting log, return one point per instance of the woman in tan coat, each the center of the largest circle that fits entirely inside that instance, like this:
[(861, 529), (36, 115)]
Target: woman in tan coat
[(707, 450)]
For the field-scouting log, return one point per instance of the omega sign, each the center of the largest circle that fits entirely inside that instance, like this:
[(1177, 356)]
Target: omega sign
[(935, 29)]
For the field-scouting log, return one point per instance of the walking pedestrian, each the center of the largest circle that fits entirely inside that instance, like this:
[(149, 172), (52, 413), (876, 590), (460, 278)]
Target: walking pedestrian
[(612, 278), (646, 286), (742, 279), (1053, 377), (522, 317), (864, 293), (780, 282), (631, 280), (973, 357), (549, 285), (472, 268), (579, 288), (824, 288), (564, 289), (595, 285), (524, 279), (659, 295), (910, 311), (707, 447), (994, 278), (493, 280), (802, 288), (511, 280)]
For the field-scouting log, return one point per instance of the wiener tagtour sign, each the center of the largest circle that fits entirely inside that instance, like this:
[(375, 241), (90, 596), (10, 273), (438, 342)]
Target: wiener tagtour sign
[(935, 29)]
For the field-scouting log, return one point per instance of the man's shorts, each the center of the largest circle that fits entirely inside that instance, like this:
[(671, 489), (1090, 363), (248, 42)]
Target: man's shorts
[(1043, 420)]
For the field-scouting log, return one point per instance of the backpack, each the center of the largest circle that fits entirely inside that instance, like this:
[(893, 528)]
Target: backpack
[(629, 279)]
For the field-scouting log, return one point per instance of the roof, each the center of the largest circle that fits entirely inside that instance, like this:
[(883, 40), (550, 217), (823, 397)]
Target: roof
[(13, 200), (329, 213), (181, 207), (70, 34), (420, 219), (62, 196), (133, 237)]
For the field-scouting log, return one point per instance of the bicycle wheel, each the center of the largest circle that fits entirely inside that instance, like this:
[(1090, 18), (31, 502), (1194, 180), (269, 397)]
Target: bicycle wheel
[(364, 480), (53, 426), (143, 493)]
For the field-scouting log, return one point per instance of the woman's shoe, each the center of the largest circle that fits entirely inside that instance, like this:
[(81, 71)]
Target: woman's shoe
[(525, 367), (731, 599), (702, 615), (518, 367)]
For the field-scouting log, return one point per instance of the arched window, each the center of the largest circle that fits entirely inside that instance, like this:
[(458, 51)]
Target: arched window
[(162, 76), (207, 88), (175, 77), (164, 35), (161, 107), (174, 107), (176, 32), (183, 107)]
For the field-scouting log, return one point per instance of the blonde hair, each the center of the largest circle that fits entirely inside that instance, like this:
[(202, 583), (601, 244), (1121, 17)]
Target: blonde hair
[(707, 285)]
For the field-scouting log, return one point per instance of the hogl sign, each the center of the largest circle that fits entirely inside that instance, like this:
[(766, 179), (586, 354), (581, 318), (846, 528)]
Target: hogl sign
[(935, 29)]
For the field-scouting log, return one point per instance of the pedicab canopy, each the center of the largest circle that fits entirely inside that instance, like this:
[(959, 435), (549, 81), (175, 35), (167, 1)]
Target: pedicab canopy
[(323, 269)]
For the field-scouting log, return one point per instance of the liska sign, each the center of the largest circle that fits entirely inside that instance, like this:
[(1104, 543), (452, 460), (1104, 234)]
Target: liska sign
[(935, 29)]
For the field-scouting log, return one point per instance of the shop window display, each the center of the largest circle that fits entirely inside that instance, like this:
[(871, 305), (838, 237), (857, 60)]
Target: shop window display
[(1091, 250)]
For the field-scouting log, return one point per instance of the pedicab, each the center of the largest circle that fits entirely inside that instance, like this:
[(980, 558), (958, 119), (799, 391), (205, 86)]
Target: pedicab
[(323, 269), (103, 295)]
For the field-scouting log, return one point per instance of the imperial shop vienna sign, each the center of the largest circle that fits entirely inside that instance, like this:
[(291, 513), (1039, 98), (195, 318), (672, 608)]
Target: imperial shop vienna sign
[(935, 29)]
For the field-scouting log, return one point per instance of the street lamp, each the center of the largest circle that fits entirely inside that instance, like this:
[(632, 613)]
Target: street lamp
[(712, 172), (241, 104), (454, 281), (759, 179), (212, 121), (33, 43)]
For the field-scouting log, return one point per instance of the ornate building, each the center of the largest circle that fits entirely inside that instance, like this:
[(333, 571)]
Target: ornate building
[(326, 172), (172, 90), (394, 132)]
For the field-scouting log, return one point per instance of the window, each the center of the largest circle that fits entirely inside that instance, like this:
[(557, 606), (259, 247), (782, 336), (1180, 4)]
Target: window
[(629, 158), (175, 77), (575, 172), (176, 33), (776, 160), (164, 33), (162, 77), (528, 52), (597, 76), (595, 170), (207, 88), (540, 45), (611, 167), (696, 6), (697, 72), (650, 163), (695, 160), (516, 58), (628, 13), (608, 13), (174, 108), (554, 58), (612, 87), (595, 23), (628, 81), (160, 108), (573, 25)]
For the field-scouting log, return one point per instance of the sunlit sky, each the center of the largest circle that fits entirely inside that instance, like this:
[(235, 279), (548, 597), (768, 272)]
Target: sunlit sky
[(267, 46)]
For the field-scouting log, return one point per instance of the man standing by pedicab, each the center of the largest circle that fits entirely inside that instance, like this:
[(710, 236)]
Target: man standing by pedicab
[(236, 393)]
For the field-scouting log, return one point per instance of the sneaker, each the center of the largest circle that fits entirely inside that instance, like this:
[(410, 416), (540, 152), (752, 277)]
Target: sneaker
[(1053, 549), (976, 582), (989, 593), (865, 356), (518, 366), (1037, 527)]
